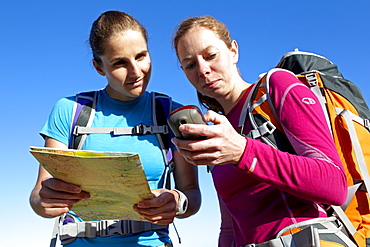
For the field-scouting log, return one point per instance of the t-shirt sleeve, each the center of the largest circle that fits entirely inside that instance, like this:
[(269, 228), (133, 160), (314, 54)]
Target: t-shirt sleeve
[(57, 125), (316, 172)]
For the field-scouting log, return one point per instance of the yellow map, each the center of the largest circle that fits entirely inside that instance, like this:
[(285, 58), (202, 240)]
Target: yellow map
[(115, 181)]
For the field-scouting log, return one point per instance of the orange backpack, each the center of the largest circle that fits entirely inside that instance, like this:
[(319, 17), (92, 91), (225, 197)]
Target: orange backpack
[(348, 119)]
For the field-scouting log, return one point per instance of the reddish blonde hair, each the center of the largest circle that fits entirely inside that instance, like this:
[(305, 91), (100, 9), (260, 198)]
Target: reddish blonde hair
[(220, 30)]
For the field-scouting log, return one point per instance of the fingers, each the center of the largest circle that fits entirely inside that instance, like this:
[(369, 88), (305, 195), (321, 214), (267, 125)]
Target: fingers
[(54, 212), (53, 208), (159, 210), (220, 123), (54, 188), (46, 194), (223, 144), (215, 118), (58, 197), (59, 185), (202, 157)]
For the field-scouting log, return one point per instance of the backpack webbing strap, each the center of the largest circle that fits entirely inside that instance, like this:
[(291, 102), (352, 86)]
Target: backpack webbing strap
[(84, 111), (136, 130), (58, 222), (313, 83), (339, 211), (105, 228), (262, 130), (246, 106), (348, 117), (310, 233)]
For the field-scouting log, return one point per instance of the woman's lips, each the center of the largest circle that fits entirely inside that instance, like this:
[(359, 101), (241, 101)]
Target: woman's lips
[(136, 83), (211, 84)]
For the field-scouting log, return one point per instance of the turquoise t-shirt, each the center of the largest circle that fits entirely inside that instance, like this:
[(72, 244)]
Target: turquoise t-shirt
[(114, 113)]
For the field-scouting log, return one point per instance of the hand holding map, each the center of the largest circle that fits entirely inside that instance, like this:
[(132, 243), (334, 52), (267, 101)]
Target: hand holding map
[(116, 181)]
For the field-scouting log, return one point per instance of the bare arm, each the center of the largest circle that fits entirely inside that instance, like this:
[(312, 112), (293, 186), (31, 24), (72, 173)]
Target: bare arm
[(51, 197), (186, 179)]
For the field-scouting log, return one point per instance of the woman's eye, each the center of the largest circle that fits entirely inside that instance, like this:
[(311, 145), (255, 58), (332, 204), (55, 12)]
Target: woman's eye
[(190, 66), (213, 55), (120, 62), (140, 56)]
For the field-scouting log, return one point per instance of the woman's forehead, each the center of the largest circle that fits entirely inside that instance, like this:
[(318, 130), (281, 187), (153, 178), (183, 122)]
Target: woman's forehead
[(198, 39)]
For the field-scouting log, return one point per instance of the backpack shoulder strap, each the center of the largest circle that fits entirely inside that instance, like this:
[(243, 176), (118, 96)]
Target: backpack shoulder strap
[(83, 115), (162, 106), (84, 112), (262, 115)]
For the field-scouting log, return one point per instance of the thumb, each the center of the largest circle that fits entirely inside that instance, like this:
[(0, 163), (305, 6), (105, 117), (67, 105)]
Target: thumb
[(215, 118)]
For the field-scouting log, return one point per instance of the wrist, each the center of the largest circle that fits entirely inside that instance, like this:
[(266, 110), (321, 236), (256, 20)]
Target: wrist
[(182, 203)]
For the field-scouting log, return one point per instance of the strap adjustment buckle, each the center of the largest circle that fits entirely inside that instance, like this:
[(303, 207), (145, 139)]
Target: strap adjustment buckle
[(267, 128), (143, 129), (111, 227)]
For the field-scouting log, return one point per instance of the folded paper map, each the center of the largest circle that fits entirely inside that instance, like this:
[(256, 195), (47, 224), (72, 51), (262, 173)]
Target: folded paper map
[(115, 181)]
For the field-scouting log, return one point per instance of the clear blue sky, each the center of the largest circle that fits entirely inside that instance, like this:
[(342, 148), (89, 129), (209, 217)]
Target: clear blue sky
[(45, 57)]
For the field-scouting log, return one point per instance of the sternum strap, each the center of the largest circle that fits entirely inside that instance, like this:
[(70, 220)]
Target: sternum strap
[(137, 130)]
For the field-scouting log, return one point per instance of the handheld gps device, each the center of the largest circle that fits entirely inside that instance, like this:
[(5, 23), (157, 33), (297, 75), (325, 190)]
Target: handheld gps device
[(189, 114)]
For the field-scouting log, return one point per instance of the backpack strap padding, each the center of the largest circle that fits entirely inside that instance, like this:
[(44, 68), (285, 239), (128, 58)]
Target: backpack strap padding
[(263, 128), (83, 115), (162, 105)]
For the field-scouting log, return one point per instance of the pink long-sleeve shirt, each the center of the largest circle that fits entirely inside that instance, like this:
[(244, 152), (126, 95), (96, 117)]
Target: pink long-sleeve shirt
[(282, 188)]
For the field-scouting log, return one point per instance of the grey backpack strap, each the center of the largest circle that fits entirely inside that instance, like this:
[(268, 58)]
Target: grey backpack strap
[(105, 228), (83, 115), (58, 223), (161, 109), (136, 130)]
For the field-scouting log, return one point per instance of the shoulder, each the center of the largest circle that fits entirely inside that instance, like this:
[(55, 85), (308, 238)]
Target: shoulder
[(281, 82), (64, 104), (281, 78)]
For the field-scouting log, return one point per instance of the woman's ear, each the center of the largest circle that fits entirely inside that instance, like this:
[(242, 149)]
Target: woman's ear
[(235, 50), (98, 68)]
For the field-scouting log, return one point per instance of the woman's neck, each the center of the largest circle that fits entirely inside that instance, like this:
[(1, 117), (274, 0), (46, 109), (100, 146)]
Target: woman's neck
[(229, 101)]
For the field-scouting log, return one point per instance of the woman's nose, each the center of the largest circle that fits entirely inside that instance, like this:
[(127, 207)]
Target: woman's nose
[(204, 69), (135, 70)]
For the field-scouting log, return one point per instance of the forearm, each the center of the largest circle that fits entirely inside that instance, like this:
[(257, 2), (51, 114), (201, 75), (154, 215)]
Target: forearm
[(35, 202), (193, 202), (35, 198), (186, 181), (314, 179)]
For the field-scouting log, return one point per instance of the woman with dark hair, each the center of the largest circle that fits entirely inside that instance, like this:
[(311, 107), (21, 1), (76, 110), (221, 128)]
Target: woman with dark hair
[(120, 53)]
